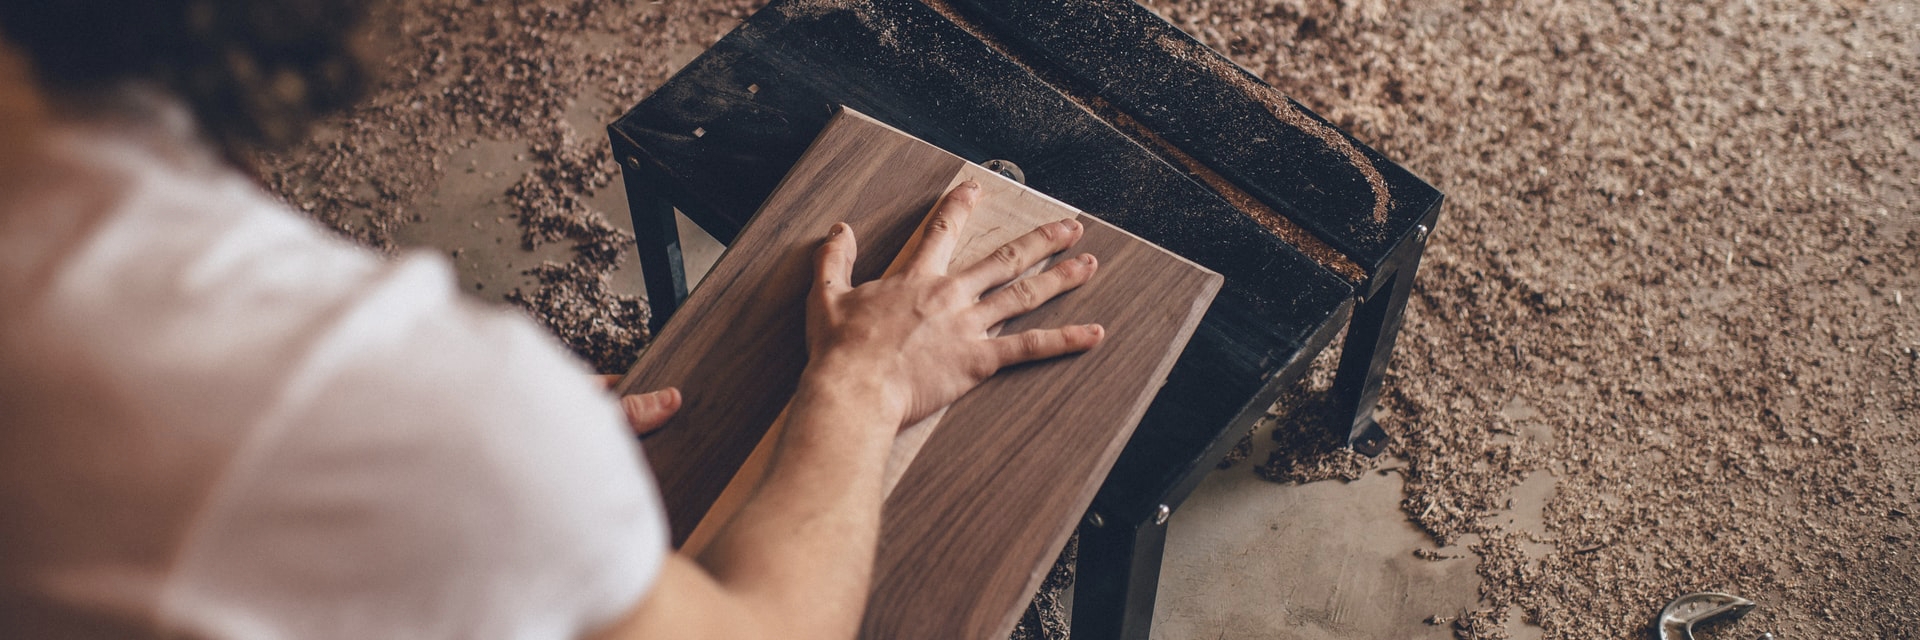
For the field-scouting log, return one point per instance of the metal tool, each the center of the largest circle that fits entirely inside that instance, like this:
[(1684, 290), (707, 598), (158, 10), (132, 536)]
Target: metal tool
[(1677, 620)]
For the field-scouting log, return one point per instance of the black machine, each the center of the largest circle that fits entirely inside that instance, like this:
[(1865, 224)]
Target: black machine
[(1107, 107)]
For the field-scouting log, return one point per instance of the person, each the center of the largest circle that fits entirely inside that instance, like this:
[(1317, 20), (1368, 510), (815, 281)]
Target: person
[(221, 421)]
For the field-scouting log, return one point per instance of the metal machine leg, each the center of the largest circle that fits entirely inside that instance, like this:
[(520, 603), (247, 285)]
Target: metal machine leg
[(1117, 575), (658, 238), (1369, 346)]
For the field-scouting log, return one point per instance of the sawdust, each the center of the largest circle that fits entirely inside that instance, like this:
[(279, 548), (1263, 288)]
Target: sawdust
[(1675, 272), (1311, 433), (1046, 617), (860, 10), (1312, 246), (466, 70), (1285, 111)]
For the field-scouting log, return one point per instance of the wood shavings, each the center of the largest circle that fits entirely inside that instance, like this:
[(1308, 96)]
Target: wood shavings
[(1664, 275), (466, 70)]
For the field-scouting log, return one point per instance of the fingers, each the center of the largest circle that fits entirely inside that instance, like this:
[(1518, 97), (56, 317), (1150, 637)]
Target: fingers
[(647, 412), (833, 263), (1010, 260), (942, 230), (1028, 294), (1040, 344)]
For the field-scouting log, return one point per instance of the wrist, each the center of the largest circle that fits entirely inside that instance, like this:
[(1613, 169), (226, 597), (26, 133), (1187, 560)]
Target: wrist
[(858, 385)]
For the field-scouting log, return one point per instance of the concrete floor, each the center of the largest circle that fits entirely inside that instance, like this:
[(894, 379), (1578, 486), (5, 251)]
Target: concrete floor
[(1247, 558)]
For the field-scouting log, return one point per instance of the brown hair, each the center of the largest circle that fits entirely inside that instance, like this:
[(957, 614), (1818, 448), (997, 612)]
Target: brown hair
[(255, 73)]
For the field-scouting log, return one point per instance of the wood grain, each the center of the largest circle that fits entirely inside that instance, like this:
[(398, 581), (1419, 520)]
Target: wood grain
[(973, 520), (736, 348), (1004, 211)]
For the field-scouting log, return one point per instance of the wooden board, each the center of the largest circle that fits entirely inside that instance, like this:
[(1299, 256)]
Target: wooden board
[(972, 524), (1004, 212)]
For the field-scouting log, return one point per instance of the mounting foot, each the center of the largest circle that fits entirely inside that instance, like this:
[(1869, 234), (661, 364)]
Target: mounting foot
[(1369, 439)]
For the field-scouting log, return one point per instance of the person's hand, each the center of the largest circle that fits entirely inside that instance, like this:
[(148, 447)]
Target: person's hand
[(646, 412), (917, 338)]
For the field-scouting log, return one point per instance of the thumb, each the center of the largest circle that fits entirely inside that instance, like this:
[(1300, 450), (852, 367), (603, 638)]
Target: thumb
[(833, 263), (647, 412)]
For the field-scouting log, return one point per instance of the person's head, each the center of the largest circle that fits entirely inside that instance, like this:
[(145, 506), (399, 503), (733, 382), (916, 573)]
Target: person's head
[(255, 73)]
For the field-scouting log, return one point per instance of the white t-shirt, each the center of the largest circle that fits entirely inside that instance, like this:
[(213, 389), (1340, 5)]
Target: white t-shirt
[(218, 420)]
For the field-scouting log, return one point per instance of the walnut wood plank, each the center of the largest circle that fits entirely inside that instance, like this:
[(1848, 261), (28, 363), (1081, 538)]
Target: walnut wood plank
[(1030, 447), (1002, 477), (1004, 211)]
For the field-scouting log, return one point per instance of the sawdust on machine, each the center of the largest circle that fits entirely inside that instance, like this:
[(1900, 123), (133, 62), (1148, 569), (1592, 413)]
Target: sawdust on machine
[(861, 10), (1284, 110), (1104, 111), (1300, 238)]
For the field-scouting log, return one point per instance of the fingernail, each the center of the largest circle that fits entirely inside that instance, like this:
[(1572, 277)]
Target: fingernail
[(837, 228), (1097, 330), (1073, 225), (1087, 258), (969, 185)]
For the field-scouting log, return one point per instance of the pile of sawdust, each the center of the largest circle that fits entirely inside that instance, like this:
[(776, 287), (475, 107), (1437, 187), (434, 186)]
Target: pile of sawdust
[(1675, 270), (1046, 618), (465, 70)]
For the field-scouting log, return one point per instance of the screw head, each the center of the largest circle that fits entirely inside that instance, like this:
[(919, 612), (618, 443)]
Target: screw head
[(1007, 169), (1094, 520), (1420, 233), (633, 161), (1161, 514)]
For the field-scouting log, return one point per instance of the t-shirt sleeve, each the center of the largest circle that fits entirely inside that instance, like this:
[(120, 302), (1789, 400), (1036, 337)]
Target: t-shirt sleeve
[(431, 469)]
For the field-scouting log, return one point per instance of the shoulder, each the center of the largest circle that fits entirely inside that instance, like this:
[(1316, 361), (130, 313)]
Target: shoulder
[(304, 438), (438, 470)]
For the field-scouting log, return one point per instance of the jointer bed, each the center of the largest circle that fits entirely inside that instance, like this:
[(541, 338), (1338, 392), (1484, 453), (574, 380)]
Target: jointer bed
[(1107, 107)]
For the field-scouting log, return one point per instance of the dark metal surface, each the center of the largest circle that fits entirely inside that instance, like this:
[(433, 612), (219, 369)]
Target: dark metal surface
[(984, 80), (1116, 581), (655, 236), (1232, 122), (1370, 338)]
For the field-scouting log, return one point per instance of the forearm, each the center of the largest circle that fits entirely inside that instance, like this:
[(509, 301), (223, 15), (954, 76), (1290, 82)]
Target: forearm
[(803, 544)]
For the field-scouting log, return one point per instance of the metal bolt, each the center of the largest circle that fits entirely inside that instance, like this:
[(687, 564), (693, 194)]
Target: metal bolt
[(1006, 168), (1420, 233), (633, 161), (1161, 514), (1094, 520)]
